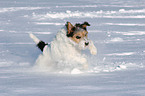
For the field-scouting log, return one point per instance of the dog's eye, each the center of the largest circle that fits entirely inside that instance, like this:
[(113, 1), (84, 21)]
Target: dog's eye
[(78, 37)]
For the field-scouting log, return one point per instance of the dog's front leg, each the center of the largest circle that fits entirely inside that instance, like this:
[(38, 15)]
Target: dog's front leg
[(81, 62), (84, 63), (85, 66), (92, 48)]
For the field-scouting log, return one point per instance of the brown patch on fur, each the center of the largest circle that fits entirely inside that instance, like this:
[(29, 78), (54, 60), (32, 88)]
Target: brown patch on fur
[(69, 27), (77, 37)]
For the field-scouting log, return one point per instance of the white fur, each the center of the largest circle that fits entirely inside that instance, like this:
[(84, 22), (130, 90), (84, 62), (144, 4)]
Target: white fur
[(35, 39), (63, 54)]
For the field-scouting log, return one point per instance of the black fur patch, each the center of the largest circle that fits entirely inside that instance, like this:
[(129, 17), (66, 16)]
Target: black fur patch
[(72, 33), (86, 23), (81, 25), (41, 45)]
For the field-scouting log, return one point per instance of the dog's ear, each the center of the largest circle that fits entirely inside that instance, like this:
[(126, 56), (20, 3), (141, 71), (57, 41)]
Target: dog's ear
[(84, 25), (70, 28)]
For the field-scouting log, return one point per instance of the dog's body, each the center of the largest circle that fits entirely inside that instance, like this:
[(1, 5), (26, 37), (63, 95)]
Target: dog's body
[(64, 52)]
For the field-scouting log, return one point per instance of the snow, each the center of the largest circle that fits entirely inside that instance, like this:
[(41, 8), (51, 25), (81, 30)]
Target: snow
[(93, 14), (122, 54), (117, 29)]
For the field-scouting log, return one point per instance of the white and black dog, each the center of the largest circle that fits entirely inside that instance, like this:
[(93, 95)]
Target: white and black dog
[(64, 52)]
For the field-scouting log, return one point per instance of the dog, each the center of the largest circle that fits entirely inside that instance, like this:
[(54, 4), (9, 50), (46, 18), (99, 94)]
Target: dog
[(64, 52)]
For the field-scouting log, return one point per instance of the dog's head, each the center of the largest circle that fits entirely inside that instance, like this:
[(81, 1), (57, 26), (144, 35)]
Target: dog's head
[(79, 34)]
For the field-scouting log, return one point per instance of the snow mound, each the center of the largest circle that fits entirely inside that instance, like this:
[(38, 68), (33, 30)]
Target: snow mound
[(121, 13), (117, 39), (121, 54)]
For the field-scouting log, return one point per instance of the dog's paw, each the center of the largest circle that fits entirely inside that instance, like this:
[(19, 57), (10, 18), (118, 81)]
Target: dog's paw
[(93, 49)]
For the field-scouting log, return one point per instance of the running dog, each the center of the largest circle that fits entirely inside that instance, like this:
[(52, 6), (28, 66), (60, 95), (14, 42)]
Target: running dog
[(64, 52)]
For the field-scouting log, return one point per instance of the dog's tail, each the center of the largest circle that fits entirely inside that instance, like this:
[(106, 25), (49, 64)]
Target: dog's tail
[(40, 44)]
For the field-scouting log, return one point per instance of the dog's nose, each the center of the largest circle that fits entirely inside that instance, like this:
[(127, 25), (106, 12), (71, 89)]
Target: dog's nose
[(86, 43)]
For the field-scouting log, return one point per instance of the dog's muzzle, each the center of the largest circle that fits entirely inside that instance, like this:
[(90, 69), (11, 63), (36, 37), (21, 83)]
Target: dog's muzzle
[(84, 43)]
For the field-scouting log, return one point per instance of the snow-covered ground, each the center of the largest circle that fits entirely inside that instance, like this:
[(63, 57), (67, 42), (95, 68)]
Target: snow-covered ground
[(117, 29)]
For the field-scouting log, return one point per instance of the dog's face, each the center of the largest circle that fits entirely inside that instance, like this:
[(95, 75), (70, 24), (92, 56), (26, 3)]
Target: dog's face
[(79, 34)]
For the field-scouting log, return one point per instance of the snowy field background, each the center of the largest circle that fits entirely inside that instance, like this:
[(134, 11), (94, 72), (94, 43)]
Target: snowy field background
[(117, 29)]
